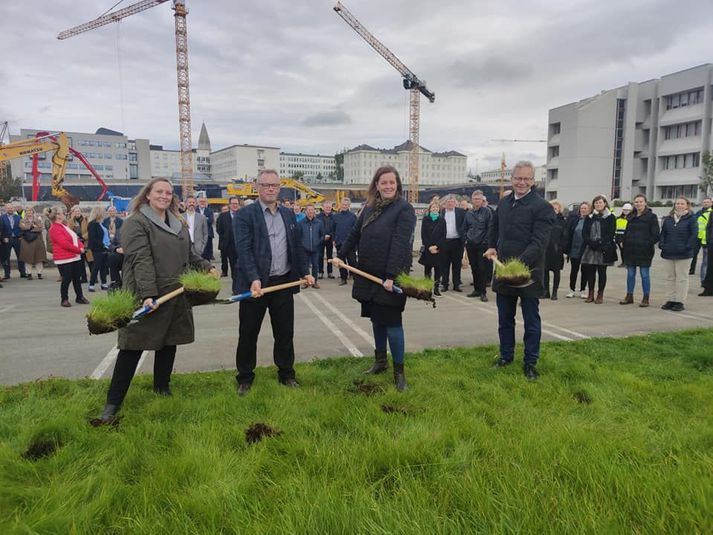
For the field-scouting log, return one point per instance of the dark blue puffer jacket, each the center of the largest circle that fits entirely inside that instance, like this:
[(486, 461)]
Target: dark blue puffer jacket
[(678, 240), (312, 234)]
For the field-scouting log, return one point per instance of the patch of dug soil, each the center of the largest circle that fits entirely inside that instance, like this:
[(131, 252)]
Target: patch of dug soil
[(360, 386), (98, 422), (256, 432), (40, 448), (582, 397)]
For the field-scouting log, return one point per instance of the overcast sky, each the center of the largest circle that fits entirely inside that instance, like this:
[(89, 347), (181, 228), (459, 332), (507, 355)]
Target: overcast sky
[(293, 74)]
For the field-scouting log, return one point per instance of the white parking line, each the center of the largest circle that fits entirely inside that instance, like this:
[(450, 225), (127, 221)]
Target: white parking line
[(7, 309), (494, 312), (361, 332), (690, 315), (105, 363), (332, 327)]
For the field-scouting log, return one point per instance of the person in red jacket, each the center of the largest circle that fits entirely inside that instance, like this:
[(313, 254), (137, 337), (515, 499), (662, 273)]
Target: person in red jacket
[(67, 252)]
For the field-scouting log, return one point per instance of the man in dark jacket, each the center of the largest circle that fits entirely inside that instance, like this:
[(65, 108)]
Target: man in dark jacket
[(206, 212), (344, 220), (269, 252), (11, 241), (226, 239), (453, 249), (312, 238), (475, 231), (520, 229), (327, 219)]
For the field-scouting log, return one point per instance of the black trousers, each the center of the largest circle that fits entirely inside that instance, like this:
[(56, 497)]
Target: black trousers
[(707, 282), (452, 261), (7, 249), (555, 280), (328, 248), (228, 258), (436, 273), (694, 260), (114, 261), (351, 260), (71, 273), (478, 265), (573, 272), (281, 305), (98, 266), (590, 272), (125, 368)]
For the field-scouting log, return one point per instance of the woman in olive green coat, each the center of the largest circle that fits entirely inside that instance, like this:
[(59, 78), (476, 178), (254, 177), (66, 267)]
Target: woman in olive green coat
[(157, 250)]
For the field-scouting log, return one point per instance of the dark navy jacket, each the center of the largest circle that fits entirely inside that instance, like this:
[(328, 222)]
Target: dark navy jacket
[(327, 223), (312, 234), (677, 241), (16, 232), (343, 224), (208, 214), (252, 246)]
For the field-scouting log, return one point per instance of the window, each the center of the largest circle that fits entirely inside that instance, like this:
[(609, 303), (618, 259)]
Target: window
[(681, 161), (107, 156), (690, 191), (683, 99), (120, 157)]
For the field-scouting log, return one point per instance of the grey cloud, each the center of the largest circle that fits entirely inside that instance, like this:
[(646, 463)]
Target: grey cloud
[(488, 71), (327, 118)]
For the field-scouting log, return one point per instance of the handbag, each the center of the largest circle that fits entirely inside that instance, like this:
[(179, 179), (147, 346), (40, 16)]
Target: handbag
[(29, 236), (610, 254)]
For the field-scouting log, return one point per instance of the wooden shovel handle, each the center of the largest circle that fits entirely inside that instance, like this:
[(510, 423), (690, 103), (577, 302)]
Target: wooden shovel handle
[(283, 286), (358, 271), (170, 295), (498, 262)]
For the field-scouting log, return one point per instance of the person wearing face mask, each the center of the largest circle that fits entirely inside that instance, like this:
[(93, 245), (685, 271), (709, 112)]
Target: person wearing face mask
[(640, 237), (679, 232), (433, 237), (383, 235), (621, 223), (599, 247)]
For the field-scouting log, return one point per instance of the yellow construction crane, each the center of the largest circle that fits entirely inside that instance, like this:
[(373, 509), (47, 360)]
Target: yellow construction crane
[(411, 82), (184, 101)]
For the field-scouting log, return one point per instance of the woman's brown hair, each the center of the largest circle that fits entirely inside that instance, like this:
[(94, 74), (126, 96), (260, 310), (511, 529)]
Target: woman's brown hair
[(373, 195), (140, 199)]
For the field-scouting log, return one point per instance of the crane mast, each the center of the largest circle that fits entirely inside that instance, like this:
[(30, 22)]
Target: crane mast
[(411, 82), (184, 101)]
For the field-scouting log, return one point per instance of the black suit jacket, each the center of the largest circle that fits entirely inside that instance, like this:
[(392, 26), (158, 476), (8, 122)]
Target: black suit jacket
[(224, 226), (460, 221), (208, 213)]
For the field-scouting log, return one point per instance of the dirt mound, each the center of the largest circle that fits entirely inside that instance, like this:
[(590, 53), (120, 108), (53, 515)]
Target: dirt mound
[(359, 386), (258, 431)]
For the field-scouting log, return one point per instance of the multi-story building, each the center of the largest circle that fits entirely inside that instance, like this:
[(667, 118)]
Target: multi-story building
[(436, 168), (113, 155), (314, 167), (242, 162), (167, 162), (646, 137)]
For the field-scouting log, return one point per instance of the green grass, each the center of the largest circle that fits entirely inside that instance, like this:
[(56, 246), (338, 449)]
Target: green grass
[(615, 437), (512, 268), (113, 307), (405, 280), (193, 280)]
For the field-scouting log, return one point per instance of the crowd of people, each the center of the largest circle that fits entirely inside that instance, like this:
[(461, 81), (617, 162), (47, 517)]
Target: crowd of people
[(267, 242)]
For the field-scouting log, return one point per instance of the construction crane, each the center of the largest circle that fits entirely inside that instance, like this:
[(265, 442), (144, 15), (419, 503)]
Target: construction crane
[(411, 82), (184, 101), (4, 166)]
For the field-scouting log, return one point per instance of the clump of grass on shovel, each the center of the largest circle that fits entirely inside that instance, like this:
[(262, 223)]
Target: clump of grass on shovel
[(416, 287), (513, 272), (200, 287), (111, 312)]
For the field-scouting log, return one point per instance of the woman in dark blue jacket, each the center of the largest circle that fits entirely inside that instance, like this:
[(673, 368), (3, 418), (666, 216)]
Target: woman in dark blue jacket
[(383, 235), (98, 243), (640, 237), (433, 240), (677, 242)]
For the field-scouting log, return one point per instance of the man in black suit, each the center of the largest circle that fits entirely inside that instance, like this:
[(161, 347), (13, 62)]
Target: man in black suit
[(206, 212), (268, 243), (453, 247), (226, 239), (521, 229)]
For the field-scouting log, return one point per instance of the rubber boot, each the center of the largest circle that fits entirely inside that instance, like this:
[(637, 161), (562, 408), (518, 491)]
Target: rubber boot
[(628, 300), (590, 297), (600, 298), (381, 364), (108, 416), (644, 302), (436, 291), (399, 377)]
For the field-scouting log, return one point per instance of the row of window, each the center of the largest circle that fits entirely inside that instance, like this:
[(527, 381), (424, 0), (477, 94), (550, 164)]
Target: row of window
[(687, 98), (682, 130), (101, 155), (690, 191), (97, 143), (681, 161)]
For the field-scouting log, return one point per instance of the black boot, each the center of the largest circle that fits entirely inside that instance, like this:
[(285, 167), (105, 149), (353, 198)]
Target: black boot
[(399, 377), (436, 291), (108, 417), (381, 364)]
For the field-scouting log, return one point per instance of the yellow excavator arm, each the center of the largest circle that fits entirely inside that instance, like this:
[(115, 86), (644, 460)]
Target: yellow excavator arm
[(28, 147)]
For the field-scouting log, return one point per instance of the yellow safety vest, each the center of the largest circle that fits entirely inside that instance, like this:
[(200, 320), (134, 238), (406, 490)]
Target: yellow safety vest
[(702, 224), (621, 223)]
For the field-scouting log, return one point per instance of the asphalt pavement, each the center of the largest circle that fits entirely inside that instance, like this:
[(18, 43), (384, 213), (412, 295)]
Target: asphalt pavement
[(41, 339)]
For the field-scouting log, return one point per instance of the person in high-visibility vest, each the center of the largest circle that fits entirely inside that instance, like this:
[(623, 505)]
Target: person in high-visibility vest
[(621, 223), (702, 218)]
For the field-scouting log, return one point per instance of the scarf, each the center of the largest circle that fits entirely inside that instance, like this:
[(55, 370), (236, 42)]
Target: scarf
[(379, 206), (604, 213), (434, 216)]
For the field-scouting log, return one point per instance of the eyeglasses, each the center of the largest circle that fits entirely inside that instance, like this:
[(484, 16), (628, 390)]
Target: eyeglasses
[(522, 178), (269, 185)]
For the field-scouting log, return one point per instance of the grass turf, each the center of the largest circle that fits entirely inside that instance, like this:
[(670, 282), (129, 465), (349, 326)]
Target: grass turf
[(513, 269), (193, 280), (615, 437), (112, 310)]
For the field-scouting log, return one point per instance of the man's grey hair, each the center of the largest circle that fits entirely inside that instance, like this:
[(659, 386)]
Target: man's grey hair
[(263, 172), (521, 164), (451, 197), (477, 192)]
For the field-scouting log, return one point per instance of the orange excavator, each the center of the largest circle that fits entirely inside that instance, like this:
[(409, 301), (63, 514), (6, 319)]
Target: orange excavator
[(59, 145)]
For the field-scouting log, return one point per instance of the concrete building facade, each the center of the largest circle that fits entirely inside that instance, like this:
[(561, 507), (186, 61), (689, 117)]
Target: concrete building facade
[(436, 168), (242, 162), (167, 162), (112, 154), (311, 166), (495, 176), (646, 137)]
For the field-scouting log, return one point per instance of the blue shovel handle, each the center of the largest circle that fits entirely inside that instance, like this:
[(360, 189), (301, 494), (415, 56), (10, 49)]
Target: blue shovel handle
[(396, 289), (240, 297), (142, 311)]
